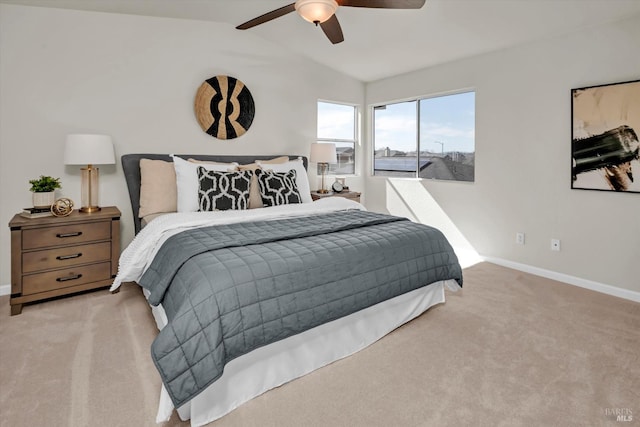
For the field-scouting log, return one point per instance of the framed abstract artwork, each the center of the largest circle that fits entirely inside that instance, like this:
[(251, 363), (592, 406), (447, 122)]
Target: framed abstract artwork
[(605, 150)]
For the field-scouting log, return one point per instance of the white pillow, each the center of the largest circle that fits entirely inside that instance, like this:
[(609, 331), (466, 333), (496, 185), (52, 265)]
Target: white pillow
[(302, 179), (157, 187), (187, 180)]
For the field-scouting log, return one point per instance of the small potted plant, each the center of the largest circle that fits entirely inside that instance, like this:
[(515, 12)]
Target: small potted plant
[(43, 190)]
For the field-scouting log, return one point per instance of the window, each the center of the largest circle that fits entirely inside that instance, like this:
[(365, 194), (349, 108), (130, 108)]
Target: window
[(426, 138), (337, 124)]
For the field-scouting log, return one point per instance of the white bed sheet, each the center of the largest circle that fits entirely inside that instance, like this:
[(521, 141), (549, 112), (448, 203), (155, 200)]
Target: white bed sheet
[(137, 256), (270, 366)]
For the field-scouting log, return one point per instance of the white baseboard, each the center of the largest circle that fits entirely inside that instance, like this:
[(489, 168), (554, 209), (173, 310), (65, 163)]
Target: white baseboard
[(5, 290), (565, 278)]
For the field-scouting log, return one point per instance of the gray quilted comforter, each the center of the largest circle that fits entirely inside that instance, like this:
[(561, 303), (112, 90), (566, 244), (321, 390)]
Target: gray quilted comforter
[(229, 289)]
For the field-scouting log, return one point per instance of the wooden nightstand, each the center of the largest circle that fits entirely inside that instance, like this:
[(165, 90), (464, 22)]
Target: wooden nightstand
[(53, 256), (351, 195)]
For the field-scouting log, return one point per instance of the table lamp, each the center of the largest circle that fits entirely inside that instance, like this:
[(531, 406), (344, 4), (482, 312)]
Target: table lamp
[(84, 149), (323, 153)]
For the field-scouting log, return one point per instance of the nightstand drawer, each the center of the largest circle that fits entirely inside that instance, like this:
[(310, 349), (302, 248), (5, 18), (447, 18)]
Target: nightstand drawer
[(41, 282), (65, 257), (65, 235)]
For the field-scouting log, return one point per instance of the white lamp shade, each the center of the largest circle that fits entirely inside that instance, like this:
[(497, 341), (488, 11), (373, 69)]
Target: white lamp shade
[(316, 10), (323, 153), (85, 149)]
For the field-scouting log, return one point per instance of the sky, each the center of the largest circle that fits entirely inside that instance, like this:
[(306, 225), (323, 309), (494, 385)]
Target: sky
[(336, 121)]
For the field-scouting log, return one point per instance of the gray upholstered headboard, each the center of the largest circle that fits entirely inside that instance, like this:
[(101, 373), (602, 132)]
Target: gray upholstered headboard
[(131, 167)]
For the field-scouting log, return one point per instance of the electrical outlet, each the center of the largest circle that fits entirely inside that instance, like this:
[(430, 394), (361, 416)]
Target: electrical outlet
[(520, 238), (555, 245)]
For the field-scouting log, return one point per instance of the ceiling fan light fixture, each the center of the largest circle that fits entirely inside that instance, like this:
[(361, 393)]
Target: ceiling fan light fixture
[(316, 11)]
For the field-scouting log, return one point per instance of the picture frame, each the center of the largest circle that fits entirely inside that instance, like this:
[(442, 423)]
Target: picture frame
[(605, 150)]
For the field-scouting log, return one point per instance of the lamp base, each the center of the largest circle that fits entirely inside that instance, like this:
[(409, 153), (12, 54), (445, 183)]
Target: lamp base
[(89, 189), (322, 191), (90, 209)]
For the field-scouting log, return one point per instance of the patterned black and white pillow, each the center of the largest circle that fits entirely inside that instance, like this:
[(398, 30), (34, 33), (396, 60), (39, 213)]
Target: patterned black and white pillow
[(219, 191), (278, 188)]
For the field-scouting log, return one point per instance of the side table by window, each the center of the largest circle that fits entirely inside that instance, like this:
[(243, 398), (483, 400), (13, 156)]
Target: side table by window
[(352, 195)]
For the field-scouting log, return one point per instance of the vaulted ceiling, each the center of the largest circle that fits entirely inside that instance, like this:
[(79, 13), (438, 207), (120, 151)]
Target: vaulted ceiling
[(380, 43)]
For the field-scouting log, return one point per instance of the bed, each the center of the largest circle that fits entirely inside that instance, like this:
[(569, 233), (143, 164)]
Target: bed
[(247, 298)]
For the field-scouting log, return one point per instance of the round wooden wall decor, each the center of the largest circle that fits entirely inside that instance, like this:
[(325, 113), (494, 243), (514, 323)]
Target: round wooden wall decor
[(224, 107)]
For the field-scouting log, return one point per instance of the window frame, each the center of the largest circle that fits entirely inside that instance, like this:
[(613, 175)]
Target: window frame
[(353, 141), (416, 99)]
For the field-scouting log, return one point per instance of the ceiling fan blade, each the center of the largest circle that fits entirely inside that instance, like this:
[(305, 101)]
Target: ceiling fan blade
[(385, 4), (332, 29), (267, 17)]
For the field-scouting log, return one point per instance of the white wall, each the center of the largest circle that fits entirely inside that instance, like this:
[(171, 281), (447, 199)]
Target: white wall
[(135, 78), (523, 157)]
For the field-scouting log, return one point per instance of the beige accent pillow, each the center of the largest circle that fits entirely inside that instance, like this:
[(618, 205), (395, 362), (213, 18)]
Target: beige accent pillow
[(158, 190), (255, 201), (276, 160), (231, 166)]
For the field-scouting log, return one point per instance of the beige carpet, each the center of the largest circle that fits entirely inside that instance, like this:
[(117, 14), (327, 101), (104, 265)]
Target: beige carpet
[(511, 349)]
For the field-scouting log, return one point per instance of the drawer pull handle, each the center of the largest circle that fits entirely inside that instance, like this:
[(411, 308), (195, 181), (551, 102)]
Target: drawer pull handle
[(63, 257), (64, 279), (63, 235)]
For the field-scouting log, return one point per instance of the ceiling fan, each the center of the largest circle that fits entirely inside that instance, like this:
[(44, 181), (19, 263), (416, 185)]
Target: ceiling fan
[(322, 12)]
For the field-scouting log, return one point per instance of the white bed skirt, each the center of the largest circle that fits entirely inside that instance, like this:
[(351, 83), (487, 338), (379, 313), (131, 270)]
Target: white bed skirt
[(270, 366)]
